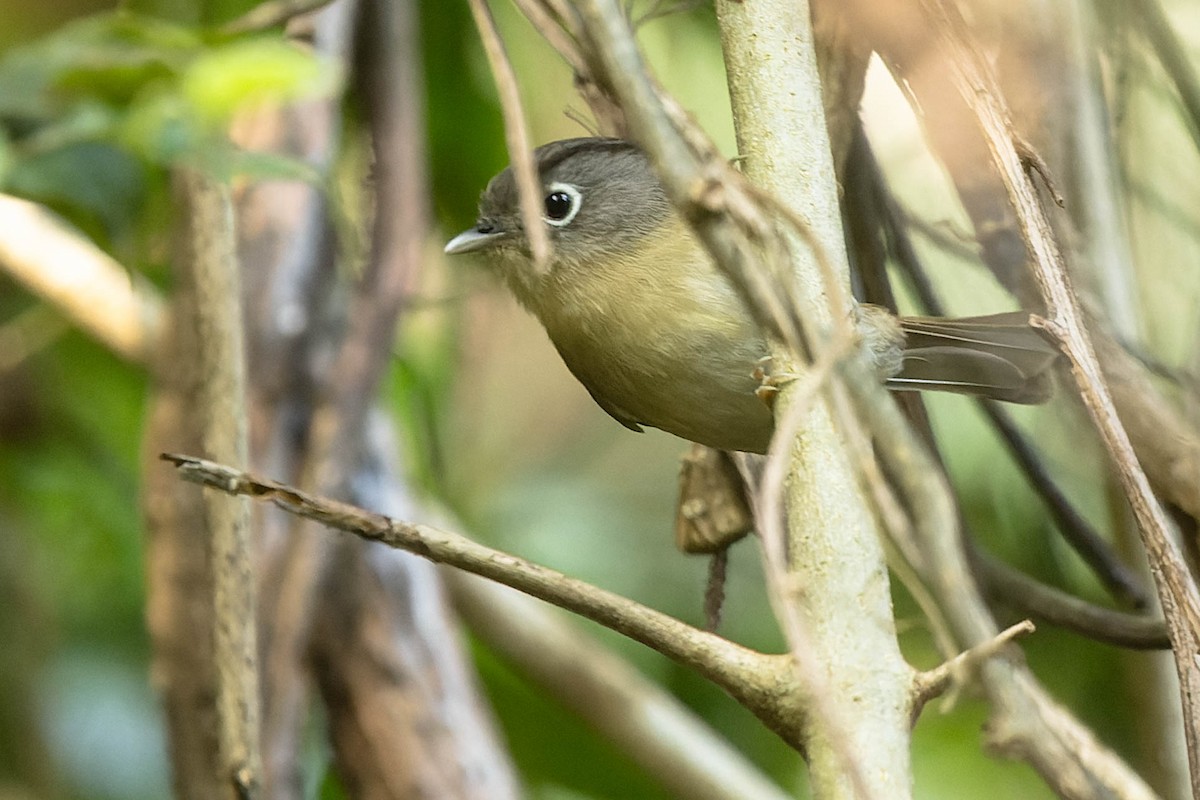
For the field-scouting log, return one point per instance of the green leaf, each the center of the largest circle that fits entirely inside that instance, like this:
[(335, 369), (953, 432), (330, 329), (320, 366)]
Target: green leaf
[(87, 121), (110, 57), (230, 76), (160, 127)]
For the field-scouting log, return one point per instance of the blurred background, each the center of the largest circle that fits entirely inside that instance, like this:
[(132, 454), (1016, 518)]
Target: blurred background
[(496, 428)]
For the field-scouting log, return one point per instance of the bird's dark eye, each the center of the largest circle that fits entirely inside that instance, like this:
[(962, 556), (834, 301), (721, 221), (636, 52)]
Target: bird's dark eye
[(561, 204), (558, 205)]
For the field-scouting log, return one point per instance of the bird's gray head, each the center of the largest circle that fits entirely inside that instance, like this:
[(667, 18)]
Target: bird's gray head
[(599, 198)]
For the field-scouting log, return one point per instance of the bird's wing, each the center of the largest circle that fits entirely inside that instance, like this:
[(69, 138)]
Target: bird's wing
[(614, 411)]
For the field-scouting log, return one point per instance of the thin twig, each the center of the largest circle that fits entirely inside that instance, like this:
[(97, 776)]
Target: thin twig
[(1078, 532), (1114, 574), (516, 135), (766, 684), (935, 682), (1014, 589), (553, 33), (650, 627)]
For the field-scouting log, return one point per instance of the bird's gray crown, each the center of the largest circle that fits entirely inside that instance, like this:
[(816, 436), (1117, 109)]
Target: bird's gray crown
[(621, 199)]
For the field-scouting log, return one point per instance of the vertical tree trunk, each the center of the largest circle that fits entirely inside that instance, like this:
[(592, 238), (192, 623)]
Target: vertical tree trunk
[(834, 549)]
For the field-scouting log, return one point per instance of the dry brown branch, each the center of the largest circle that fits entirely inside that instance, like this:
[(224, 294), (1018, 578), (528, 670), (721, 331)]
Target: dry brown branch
[(1177, 592), (529, 185), (209, 257), (643, 624), (1026, 723), (935, 682), (1010, 588), (766, 684)]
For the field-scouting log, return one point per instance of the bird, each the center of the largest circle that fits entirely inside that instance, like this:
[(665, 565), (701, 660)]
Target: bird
[(656, 332)]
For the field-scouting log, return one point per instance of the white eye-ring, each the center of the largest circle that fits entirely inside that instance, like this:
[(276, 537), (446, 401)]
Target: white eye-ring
[(561, 204)]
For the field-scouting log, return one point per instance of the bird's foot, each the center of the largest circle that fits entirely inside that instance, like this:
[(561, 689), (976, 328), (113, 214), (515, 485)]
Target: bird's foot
[(769, 383)]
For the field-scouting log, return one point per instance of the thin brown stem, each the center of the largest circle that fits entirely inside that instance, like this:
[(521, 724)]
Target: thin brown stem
[(210, 258), (1177, 592), (516, 135), (936, 681), (1010, 588), (766, 684)]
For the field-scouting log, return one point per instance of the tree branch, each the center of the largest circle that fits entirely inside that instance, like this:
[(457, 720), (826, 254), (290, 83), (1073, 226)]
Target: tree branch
[(1177, 592), (208, 256), (937, 680), (91, 289), (766, 684), (529, 186), (1026, 723)]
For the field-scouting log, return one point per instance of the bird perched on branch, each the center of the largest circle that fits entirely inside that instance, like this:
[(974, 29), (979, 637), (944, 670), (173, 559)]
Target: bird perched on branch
[(657, 333)]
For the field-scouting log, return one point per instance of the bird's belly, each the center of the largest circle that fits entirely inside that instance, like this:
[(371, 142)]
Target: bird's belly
[(694, 378)]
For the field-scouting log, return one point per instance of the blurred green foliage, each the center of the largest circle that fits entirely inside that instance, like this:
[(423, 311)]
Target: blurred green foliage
[(97, 109), (94, 107)]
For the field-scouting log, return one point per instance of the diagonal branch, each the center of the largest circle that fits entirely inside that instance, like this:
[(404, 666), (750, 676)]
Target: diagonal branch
[(766, 684), (83, 282), (516, 133), (1177, 592)]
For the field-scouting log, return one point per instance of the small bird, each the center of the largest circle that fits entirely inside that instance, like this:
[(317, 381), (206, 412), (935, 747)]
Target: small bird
[(656, 332)]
